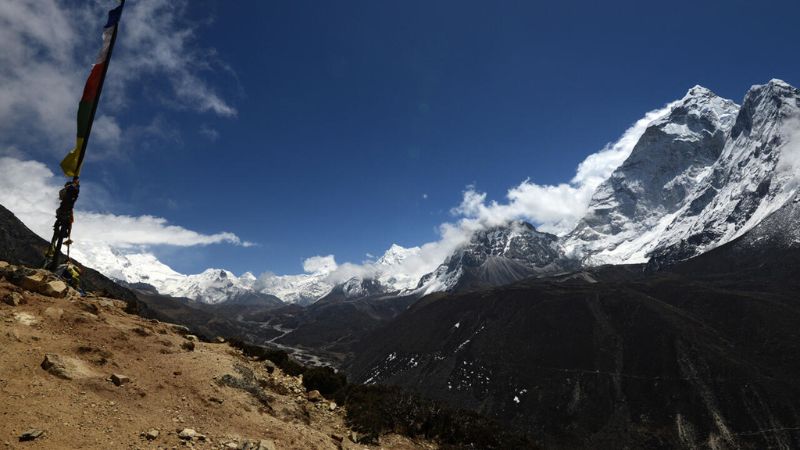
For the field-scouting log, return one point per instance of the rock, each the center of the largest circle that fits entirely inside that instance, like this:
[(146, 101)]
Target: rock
[(314, 396), (191, 337), (106, 303), (4, 265), (180, 329), (33, 282), (266, 444), (219, 340), (119, 380), (270, 366), (25, 319), (151, 435), (38, 282), (13, 299), (232, 445), (332, 406), (54, 313), (188, 346), (56, 288), (187, 434), (354, 436), (31, 435), (337, 437), (62, 367), (216, 400)]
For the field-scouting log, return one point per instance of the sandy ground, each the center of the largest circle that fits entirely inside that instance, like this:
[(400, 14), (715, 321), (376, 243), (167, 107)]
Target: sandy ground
[(170, 388)]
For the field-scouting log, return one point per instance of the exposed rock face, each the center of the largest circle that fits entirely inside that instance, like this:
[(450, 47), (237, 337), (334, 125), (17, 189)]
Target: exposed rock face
[(696, 179), (498, 256), (665, 168)]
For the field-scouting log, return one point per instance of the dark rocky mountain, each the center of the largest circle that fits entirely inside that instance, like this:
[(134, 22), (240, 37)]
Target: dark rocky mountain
[(497, 256), (705, 354)]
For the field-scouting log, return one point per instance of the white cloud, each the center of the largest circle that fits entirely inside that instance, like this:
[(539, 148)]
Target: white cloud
[(30, 190), (553, 208), (320, 264), (46, 50), (557, 208)]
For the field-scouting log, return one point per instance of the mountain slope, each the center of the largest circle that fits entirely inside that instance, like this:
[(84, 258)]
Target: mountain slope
[(696, 179), (612, 358), (629, 210), (20, 245)]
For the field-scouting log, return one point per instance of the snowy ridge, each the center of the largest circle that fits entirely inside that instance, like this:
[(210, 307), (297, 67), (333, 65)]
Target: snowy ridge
[(699, 176)]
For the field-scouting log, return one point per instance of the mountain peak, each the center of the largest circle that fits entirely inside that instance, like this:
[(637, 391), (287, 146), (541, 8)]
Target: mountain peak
[(700, 91)]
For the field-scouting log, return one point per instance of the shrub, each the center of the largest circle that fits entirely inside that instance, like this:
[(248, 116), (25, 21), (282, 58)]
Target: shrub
[(323, 379)]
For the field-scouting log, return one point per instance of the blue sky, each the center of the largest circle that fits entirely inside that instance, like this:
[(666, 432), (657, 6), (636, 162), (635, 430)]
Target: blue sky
[(359, 124)]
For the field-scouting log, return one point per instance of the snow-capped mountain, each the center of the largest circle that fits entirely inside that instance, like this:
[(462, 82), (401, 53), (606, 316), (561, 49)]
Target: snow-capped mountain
[(497, 256), (698, 178), (666, 166), (212, 286), (302, 289)]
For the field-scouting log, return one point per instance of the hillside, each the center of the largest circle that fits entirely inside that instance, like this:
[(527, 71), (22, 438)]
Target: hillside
[(171, 382), (704, 355)]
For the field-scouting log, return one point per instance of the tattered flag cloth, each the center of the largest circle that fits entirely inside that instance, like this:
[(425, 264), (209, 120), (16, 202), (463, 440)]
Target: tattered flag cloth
[(71, 165)]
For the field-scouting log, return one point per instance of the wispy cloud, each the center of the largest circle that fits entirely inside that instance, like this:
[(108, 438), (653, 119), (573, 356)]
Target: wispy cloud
[(47, 47)]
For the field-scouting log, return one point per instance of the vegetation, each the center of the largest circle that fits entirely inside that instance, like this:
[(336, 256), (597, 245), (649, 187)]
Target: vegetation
[(375, 410)]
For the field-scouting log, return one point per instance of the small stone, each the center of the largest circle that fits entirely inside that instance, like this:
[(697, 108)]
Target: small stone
[(151, 435), (188, 346), (337, 437), (31, 435), (13, 299), (219, 340), (332, 406), (187, 434), (354, 436), (191, 337), (232, 445), (180, 329), (314, 396), (216, 400), (119, 380)]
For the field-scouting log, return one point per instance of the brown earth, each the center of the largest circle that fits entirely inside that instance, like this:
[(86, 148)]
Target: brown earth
[(171, 388)]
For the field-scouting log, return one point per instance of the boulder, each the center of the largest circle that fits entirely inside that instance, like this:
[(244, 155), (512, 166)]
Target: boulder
[(31, 435), (42, 283), (65, 367), (56, 288), (151, 435), (314, 396), (191, 337), (187, 434), (188, 346)]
